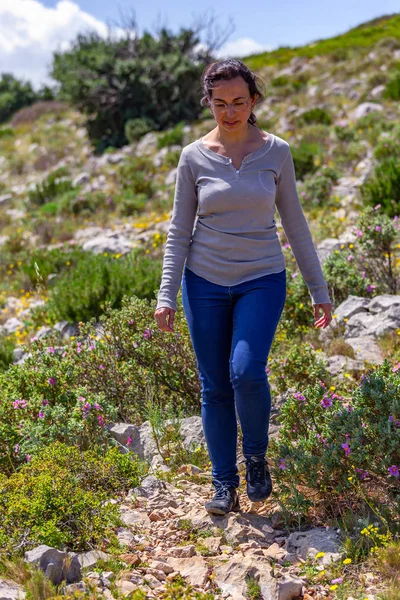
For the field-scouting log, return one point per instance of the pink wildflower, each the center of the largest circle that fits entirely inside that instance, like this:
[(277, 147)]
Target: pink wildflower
[(346, 448), (326, 401)]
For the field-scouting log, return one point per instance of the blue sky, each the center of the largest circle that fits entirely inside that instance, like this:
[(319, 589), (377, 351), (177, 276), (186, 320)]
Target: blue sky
[(31, 30), (285, 22)]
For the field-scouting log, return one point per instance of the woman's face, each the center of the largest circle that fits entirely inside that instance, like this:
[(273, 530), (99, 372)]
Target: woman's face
[(231, 103)]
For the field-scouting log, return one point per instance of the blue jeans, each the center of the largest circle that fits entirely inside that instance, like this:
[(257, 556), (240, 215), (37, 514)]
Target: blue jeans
[(232, 329)]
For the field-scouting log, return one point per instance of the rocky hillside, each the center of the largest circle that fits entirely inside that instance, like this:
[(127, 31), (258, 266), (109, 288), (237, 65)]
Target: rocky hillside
[(83, 366)]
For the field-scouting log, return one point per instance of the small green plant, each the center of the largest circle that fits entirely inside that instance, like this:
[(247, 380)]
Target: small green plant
[(392, 90), (315, 115), (304, 156), (56, 184), (383, 186), (253, 591), (7, 346), (137, 128), (171, 137)]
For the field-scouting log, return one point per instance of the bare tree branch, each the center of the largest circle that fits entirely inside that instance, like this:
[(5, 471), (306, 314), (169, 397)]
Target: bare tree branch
[(214, 38)]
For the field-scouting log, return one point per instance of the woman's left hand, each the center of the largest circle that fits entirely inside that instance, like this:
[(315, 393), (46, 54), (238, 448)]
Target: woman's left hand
[(326, 317)]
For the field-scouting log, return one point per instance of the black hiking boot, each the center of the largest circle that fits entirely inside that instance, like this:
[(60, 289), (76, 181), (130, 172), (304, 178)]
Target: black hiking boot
[(258, 478), (225, 499)]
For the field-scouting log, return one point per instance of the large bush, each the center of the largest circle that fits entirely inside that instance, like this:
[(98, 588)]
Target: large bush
[(119, 80), (81, 293)]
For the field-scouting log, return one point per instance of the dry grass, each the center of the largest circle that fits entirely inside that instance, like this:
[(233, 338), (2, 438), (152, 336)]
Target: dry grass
[(30, 114), (340, 346)]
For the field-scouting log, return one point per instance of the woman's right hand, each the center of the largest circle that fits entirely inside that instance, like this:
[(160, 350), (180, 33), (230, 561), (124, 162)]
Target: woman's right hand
[(161, 315)]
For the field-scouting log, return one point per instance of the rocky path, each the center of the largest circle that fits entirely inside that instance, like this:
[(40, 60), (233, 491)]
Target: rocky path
[(168, 532)]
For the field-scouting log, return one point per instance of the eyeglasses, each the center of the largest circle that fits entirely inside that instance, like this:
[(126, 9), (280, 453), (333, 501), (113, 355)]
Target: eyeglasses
[(221, 106)]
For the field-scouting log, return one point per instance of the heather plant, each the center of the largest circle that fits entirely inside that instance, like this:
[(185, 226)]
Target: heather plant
[(43, 401), (334, 450), (383, 186), (132, 356), (61, 498), (81, 292)]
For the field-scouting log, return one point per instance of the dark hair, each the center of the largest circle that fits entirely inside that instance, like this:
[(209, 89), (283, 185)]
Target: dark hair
[(226, 69)]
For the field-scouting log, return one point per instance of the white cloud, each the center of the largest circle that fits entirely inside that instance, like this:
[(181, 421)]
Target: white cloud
[(241, 48), (31, 32)]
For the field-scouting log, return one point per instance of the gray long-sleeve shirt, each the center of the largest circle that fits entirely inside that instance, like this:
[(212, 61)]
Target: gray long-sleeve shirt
[(234, 238)]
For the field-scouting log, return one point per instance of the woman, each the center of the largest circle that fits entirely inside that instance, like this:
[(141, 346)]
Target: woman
[(234, 279)]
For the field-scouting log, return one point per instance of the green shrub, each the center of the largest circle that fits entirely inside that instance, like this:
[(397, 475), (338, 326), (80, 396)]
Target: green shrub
[(137, 128), (387, 147), (377, 248), (130, 204), (6, 352), (81, 292), (136, 176), (300, 366), (392, 90), (6, 132), (72, 203), (344, 133), (383, 186), (54, 185), (171, 137), (60, 498), (316, 190), (344, 277), (39, 263), (303, 156), (333, 451), (172, 158), (315, 115), (297, 314)]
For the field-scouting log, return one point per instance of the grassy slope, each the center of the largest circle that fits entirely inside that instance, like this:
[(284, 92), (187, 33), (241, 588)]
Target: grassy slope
[(362, 36)]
